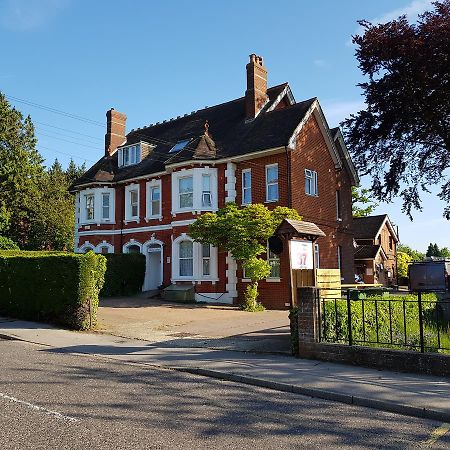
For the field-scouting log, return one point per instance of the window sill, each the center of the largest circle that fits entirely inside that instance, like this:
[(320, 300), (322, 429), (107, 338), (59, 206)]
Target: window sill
[(312, 195), (127, 221), (272, 201), (273, 280), (246, 280), (147, 219)]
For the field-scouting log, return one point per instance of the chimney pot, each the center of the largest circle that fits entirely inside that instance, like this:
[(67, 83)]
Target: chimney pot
[(256, 93), (115, 130)]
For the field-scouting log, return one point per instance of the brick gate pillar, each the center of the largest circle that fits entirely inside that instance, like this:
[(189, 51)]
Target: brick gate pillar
[(308, 319)]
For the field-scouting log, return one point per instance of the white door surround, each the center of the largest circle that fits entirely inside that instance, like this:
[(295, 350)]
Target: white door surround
[(153, 251)]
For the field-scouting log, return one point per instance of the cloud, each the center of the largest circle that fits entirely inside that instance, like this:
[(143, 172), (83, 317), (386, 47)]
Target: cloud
[(411, 11), (26, 15), (336, 111)]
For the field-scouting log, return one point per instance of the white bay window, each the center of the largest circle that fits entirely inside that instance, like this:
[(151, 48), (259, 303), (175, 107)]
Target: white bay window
[(193, 261), (194, 190), (96, 205)]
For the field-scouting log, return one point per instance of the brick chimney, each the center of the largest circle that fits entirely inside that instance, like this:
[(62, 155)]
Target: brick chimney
[(115, 130), (256, 93)]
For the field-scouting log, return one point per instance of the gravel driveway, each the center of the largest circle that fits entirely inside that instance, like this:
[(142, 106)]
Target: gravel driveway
[(181, 325)]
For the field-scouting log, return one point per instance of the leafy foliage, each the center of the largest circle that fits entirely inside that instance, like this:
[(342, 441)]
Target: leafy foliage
[(381, 317), (403, 260), (124, 274), (434, 250), (36, 209), (402, 139), (362, 203), (414, 254), (243, 232), (7, 244), (21, 169), (49, 286)]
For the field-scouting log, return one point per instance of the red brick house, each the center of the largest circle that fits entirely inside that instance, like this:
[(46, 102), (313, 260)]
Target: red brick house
[(263, 147), (376, 251)]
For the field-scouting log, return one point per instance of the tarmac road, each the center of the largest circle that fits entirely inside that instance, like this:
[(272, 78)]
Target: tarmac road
[(53, 400)]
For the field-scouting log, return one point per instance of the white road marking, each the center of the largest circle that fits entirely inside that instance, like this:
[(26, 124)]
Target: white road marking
[(39, 408)]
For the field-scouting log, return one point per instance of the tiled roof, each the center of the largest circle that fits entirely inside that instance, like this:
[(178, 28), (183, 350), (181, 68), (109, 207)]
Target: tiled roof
[(367, 227), (367, 251), (231, 134), (299, 226)]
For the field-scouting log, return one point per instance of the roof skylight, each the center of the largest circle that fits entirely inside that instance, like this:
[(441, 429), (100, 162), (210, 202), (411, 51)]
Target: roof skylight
[(179, 146)]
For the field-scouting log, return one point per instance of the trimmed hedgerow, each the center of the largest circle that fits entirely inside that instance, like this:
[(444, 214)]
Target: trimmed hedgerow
[(52, 287), (124, 274)]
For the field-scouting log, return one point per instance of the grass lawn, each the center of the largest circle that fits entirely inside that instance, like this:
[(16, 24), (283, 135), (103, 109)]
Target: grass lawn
[(391, 322)]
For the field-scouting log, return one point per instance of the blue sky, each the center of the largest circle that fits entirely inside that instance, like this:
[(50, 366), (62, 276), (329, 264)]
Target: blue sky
[(158, 59)]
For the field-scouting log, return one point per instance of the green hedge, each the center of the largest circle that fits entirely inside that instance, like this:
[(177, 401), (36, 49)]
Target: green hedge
[(53, 287), (124, 274)]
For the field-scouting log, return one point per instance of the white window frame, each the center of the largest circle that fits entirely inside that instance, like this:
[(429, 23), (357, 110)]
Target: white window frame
[(130, 243), (104, 244), (85, 247), (89, 196), (97, 193), (317, 256), (108, 196), (189, 258), (197, 180), (273, 258), (246, 188), (150, 186), (136, 152), (313, 183), (128, 206), (204, 259), (206, 191), (338, 205), (191, 192), (276, 183), (339, 257), (197, 261)]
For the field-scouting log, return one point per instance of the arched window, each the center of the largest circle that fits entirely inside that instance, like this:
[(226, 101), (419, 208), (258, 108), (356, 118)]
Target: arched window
[(133, 249), (104, 250), (186, 257)]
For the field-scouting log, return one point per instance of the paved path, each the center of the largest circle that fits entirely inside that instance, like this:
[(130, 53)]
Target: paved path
[(207, 326), (417, 395)]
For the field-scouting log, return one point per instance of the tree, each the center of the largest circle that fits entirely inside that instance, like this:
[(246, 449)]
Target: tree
[(243, 232), (434, 250), (21, 168), (73, 172), (413, 254), (53, 215), (403, 260), (402, 139), (362, 203)]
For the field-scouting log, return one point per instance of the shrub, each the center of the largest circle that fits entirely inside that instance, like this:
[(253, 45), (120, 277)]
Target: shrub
[(7, 244), (53, 287), (124, 274)]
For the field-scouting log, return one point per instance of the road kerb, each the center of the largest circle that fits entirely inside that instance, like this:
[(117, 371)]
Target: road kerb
[(381, 405)]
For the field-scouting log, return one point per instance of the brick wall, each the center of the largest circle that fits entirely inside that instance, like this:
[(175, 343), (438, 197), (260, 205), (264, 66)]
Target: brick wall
[(312, 153)]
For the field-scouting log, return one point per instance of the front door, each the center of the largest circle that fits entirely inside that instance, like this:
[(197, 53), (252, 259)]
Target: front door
[(153, 272)]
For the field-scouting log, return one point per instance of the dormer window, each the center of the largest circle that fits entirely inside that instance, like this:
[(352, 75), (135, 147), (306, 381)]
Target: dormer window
[(179, 146), (127, 156)]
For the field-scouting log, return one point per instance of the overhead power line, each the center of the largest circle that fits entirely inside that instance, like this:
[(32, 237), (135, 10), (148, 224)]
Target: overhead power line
[(55, 111)]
